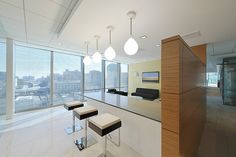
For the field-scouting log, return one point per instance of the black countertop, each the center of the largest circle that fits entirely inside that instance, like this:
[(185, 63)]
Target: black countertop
[(145, 108)]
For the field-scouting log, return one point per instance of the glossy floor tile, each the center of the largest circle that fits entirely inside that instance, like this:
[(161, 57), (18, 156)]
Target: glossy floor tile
[(219, 136), (40, 134)]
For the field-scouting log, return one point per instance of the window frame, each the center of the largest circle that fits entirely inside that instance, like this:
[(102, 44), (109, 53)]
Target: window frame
[(52, 52), (4, 69)]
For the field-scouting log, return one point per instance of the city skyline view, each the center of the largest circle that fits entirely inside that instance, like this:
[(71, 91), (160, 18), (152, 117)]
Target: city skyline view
[(33, 72)]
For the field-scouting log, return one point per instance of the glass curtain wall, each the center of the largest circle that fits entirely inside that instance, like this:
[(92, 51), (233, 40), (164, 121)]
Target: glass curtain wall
[(212, 79), (93, 77), (229, 81), (111, 75), (33, 72), (2, 78), (67, 78), (124, 77), (32, 78)]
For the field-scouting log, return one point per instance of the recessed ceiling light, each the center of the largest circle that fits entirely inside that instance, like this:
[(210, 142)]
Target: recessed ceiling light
[(143, 37), (59, 43), (157, 45)]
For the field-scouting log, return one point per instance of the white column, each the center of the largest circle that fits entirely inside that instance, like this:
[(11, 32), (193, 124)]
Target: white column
[(10, 79), (52, 78)]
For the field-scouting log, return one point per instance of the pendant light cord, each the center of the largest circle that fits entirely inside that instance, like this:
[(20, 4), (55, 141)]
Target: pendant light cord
[(131, 31), (87, 48), (110, 37), (97, 44)]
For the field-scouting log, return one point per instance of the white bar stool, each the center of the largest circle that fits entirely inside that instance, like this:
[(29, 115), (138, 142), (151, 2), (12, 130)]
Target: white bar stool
[(70, 106), (103, 125), (85, 113)]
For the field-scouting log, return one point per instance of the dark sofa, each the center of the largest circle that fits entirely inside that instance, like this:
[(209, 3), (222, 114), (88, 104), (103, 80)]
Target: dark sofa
[(114, 91), (146, 93)]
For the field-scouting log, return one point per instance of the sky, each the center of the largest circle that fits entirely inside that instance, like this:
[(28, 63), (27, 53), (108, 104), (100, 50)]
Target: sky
[(36, 62)]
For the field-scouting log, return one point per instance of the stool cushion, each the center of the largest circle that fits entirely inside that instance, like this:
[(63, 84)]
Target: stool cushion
[(105, 120), (73, 104), (104, 124), (85, 112)]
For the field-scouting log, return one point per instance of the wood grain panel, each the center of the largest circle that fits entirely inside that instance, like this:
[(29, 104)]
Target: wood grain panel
[(183, 98), (190, 69), (170, 112), (200, 52), (192, 122), (171, 63), (170, 144)]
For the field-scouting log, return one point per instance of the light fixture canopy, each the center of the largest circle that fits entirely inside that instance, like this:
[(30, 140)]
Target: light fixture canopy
[(143, 37), (97, 57), (87, 60), (131, 46), (110, 53)]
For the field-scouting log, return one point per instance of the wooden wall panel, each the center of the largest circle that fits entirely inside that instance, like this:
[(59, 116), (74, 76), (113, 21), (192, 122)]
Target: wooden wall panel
[(170, 112), (192, 121), (183, 98), (171, 62), (200, 52), (170, 144), (190, 69)]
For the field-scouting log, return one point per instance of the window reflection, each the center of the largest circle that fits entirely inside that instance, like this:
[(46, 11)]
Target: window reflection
[(93, 76), (32, 78), (67, 78), (2, 78)]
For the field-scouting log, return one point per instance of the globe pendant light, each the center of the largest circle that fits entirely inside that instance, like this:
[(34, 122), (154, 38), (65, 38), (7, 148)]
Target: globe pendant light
[(110, 53), (87, 60), (97, 57), (131, 46)]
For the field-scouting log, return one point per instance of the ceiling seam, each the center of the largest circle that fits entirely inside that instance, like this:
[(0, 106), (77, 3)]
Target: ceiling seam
[(26, 34), (60, 22), (11, 4), (58, 4), (68, 9), (49, 19)]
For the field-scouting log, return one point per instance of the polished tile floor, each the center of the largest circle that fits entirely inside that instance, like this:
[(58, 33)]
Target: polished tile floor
[(219, 136), (40, 134)]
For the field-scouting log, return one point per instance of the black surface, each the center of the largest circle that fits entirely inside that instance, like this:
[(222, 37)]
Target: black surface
[(73, 107), (111, 91), (114, 91), (104, 131), (150, 94), (84, 116)]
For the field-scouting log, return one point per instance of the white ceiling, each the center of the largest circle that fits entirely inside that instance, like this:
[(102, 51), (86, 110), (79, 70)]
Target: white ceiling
[(216, 52), (157, 19)]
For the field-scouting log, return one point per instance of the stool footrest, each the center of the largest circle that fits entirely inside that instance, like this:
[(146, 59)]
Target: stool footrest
[(81, 142), (108, 154)]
